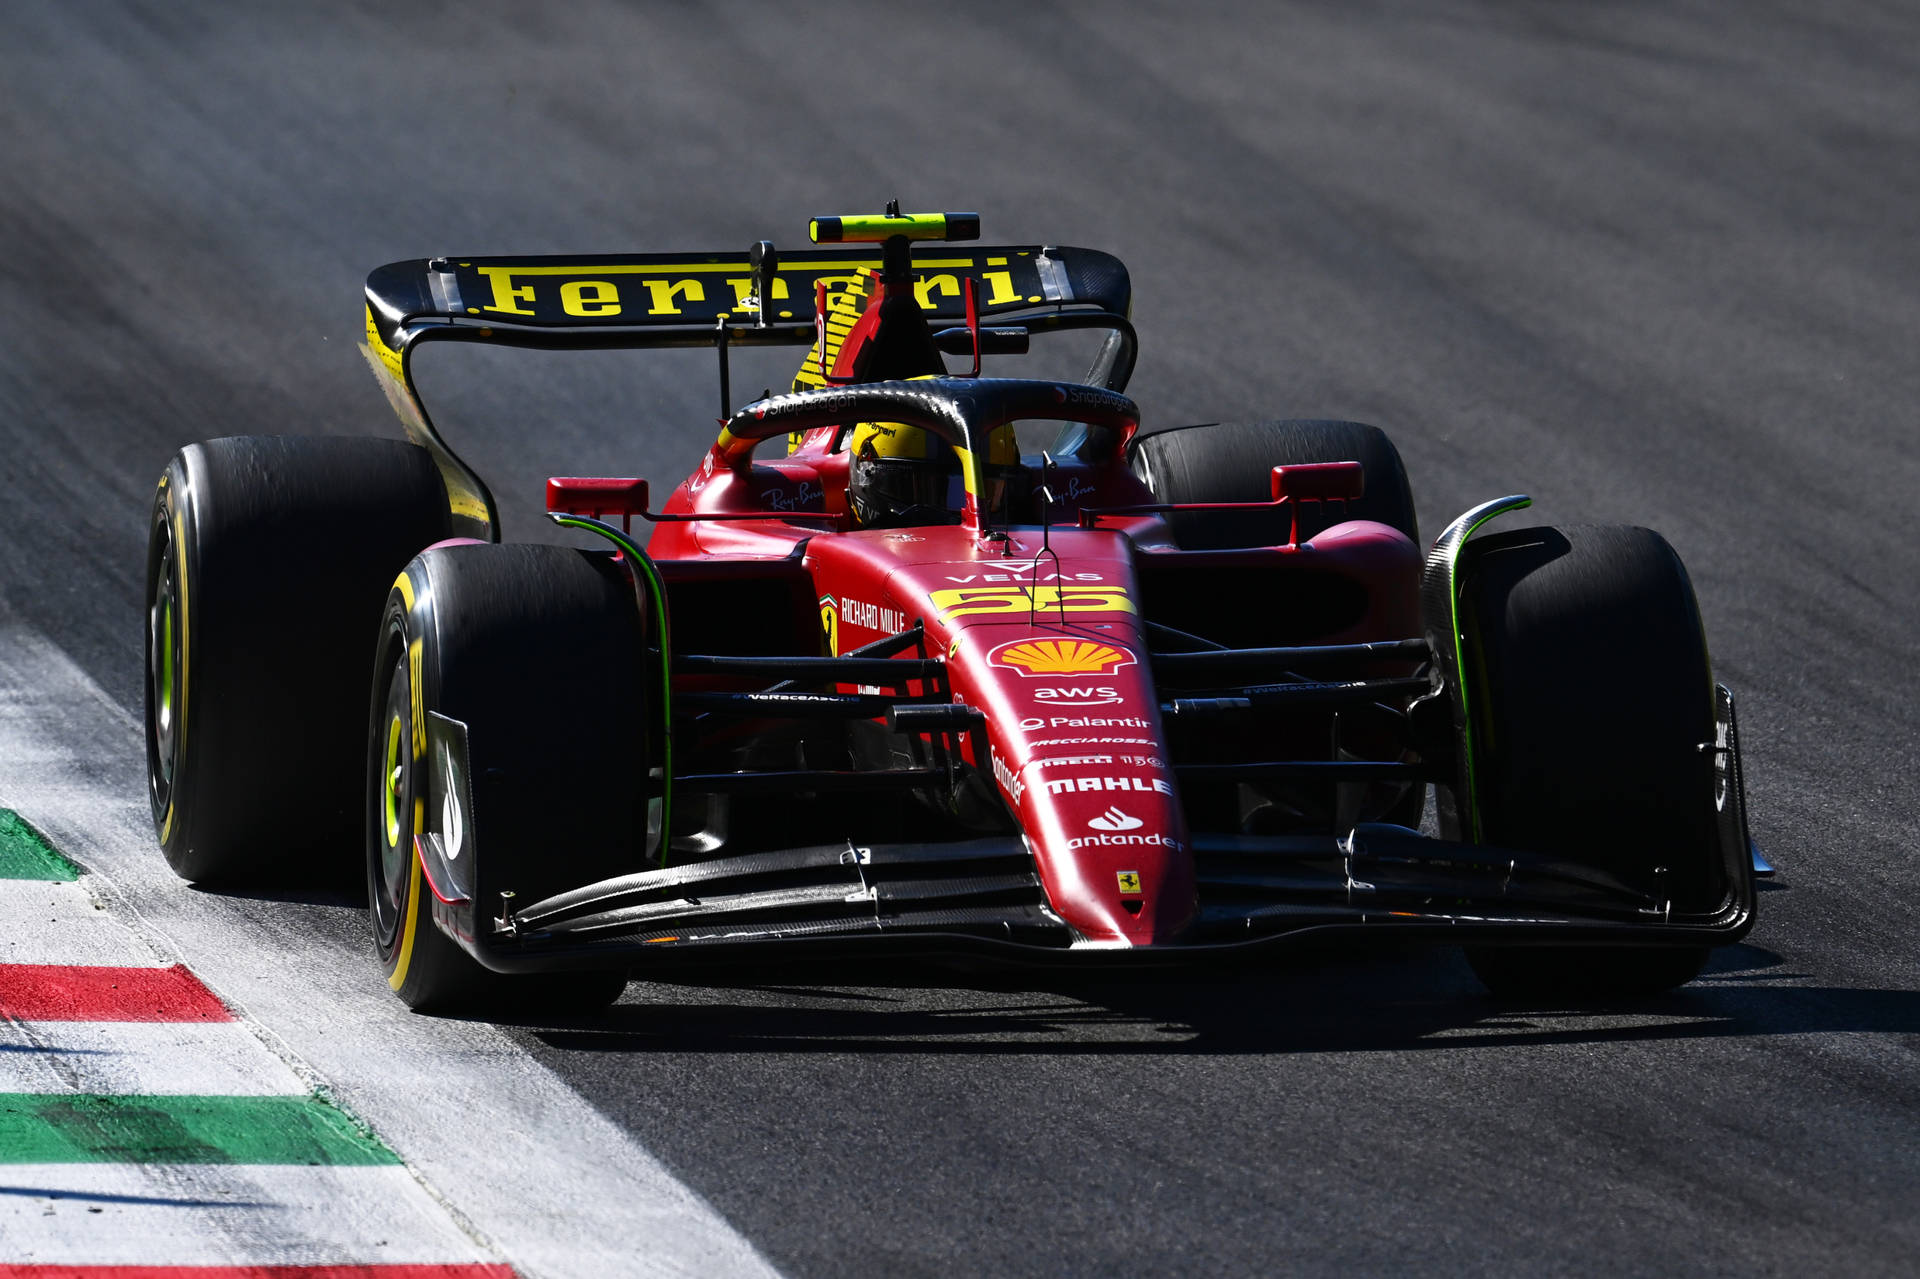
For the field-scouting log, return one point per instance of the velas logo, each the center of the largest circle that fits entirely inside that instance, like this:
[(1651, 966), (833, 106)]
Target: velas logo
[(1114, 819), (1060, 657)]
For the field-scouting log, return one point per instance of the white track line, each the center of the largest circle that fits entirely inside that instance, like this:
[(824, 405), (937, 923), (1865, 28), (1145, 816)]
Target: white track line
[(558, 1187), (191, 1058), (214, 1215)]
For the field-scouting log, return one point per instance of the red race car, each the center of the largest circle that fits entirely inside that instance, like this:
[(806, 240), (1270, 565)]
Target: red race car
[(889, 677)]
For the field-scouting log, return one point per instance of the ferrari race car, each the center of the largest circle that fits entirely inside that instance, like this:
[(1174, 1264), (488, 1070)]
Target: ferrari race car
[(889, 677)]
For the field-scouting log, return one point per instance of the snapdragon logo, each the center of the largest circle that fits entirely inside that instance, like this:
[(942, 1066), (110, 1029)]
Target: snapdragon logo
[(1114, 819)]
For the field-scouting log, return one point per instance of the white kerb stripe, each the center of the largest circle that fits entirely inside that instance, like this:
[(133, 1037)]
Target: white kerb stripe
[(222, 1215), (221, 1058), (212, 1214), (44, 922)]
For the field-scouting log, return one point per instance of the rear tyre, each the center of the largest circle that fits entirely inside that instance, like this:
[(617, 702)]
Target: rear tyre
[(1591, 697), (267, 558), (1234, 461), (539, 651)]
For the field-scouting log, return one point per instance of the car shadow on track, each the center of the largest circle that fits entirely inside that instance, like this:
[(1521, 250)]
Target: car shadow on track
[(1421, 1000)]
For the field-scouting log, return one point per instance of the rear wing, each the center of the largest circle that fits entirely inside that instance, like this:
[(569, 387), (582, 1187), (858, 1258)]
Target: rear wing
[(712, 300)]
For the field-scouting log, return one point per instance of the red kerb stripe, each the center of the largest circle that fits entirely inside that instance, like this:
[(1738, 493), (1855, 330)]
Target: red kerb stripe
[(256, 1272), (55, 992)]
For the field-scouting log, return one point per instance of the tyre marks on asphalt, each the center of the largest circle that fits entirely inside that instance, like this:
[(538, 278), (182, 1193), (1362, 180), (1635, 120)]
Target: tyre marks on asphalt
[(142, 1123)]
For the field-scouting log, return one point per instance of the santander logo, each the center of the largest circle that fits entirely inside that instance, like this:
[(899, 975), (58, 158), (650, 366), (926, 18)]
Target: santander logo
[(1114, 819)]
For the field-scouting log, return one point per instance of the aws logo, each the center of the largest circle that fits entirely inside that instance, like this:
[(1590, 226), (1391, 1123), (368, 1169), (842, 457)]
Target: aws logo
[(1102, 695), (1060, 657)]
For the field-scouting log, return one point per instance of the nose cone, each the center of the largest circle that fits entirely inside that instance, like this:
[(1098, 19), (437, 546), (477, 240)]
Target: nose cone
[(1074, 726), (1115, 862)]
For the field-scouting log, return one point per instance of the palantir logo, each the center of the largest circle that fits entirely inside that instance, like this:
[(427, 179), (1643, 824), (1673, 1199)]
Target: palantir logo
[(1114, 819)]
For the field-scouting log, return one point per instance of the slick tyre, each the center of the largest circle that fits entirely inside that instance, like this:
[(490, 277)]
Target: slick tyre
[(537, 651), (1234, 461), (267, 560), (1591, 703)]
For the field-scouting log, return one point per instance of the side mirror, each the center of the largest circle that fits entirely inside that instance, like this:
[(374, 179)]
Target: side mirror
[(1318, 481), (595, 497)]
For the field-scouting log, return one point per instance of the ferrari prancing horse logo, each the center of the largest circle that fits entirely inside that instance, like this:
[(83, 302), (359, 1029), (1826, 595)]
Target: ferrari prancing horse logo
[(1130, 882), (830, 624)]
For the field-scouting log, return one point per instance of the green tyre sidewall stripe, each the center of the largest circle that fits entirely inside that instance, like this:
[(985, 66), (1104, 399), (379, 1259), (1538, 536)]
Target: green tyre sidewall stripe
[(1440, 599), (643, 569)]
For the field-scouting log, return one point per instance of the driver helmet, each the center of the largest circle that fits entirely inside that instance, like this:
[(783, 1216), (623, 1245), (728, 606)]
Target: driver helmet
[(902, 474)]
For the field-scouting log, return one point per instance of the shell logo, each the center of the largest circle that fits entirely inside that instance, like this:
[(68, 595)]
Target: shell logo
[(1061, 657)]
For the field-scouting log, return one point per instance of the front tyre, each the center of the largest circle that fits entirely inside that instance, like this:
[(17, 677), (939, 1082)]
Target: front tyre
[(538, 651), (1591, 720)]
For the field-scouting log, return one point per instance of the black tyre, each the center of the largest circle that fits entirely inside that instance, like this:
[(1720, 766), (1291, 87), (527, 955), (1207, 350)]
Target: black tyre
[(1234, 461), (538, 651), (267, 560), (1591, 695)]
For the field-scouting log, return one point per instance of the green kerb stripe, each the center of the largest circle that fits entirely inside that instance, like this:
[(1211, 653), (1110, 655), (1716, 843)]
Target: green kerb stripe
[(89, 1128), (24, 854)]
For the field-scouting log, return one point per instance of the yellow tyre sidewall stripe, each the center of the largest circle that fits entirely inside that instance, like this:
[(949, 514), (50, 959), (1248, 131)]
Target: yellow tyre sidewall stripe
[(179, 521), (403, 962), (398, 977)]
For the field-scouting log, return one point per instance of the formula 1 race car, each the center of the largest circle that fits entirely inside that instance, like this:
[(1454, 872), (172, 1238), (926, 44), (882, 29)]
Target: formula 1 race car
[(888, 679)]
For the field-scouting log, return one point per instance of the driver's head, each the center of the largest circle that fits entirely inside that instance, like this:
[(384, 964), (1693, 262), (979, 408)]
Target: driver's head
[(902, 474)]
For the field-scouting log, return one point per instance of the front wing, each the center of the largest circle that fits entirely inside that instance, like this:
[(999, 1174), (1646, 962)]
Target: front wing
[(982, 898)]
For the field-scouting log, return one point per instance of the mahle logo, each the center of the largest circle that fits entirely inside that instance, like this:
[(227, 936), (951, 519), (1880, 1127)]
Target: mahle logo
[(1061, 657)]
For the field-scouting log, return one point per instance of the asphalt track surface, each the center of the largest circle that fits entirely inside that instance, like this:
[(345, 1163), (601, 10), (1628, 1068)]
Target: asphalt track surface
[(1650, 263)]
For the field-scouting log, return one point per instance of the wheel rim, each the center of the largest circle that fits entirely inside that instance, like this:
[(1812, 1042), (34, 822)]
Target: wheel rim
[(394, 774), (164, 672), (389, 819)]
